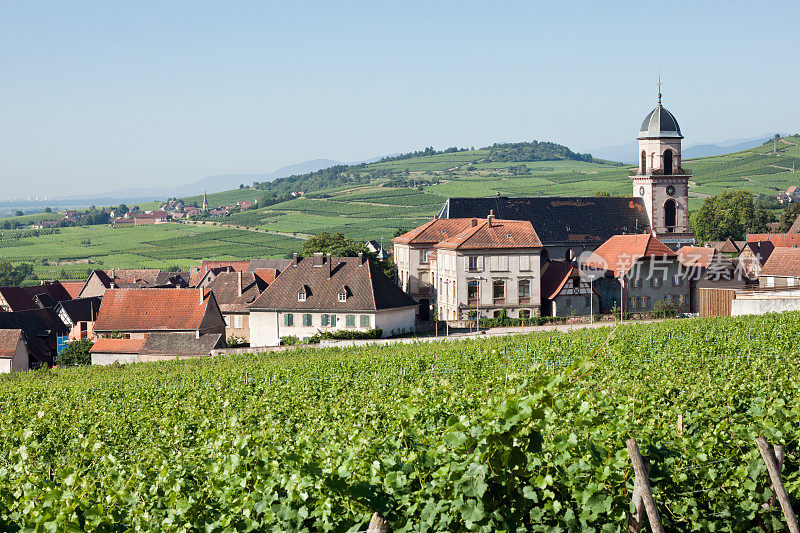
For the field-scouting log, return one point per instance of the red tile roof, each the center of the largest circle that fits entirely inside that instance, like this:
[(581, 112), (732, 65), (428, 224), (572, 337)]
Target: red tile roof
[(267, 275), (782, 262), (117, 346), (492, 233), (436, 230), (9, 338), (73, 288), (697, 256), (152, 309), (226, 290), (619, 253), (786, 240)]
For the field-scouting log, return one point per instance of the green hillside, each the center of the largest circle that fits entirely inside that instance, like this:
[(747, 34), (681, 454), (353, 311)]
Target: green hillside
[(372, 201)]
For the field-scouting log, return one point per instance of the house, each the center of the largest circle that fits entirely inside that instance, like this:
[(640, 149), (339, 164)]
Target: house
[(488, 268), (376, 248), (14, 356), (639, 270), (246, 204), (79, 316), (120, 222), (324, 293), (234, 291), (42, 328), (47, 294), (156, 347), (197, 273), (783, 240), (781, 270), (134, 313), (101, 280), (728, 247), (753, 256), (413, 252), (565, 292), (708, 268), (792, 194)]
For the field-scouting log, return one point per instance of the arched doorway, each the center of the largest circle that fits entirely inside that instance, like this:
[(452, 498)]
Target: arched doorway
[(668, 162), (644, 162), (670, 213)]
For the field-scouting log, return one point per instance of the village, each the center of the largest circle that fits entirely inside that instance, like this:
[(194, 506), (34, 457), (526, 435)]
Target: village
[(512, 261)]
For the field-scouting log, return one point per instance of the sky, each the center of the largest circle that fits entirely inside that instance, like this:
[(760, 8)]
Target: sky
[(98, 96)]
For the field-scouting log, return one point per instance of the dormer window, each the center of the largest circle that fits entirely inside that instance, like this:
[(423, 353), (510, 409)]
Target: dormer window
[(302, 294), (342, 295)]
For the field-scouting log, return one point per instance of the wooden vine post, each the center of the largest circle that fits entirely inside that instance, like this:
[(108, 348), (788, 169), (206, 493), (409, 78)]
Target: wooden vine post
[(642, 494), (776, 485), (378, 524)]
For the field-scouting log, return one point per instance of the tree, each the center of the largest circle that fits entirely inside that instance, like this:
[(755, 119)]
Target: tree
[(335, 244), (77, 353), (602, 193), (11, 275), (731, 214), (788, 216), (48, 210), (400, 231), (18, 213)]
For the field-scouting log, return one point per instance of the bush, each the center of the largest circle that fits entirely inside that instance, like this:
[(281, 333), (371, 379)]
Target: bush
[(77, 353), (289, 340), (346, 334), (666, 308), (236, 342)]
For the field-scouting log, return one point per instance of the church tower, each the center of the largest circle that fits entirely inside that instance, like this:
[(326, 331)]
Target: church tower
[(660, 181), (205, 201)]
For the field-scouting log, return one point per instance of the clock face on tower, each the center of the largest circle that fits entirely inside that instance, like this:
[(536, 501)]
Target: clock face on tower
[(641, 191), (670, 189)]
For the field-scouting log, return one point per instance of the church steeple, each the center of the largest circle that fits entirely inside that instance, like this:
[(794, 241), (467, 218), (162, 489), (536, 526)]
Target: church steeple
[(659, 180), (205, 201)]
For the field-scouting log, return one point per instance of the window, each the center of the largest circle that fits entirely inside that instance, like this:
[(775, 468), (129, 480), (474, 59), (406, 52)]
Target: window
[(227, 320), (238, 321), (681, 299), (423, 256), (587, 302), (524, 287), (524, 262), (342, 295), (644, 163), (301, 296), (364, 321), (643, 301), (307, 319), (770, 281), (350, 321), (472, 290), (677, 280), (655, 281), (636, 282), (288, 319), (472, 264), (576, 283), (525, 313), (329, 320), (499, 263), (499, 289), (632, 302)]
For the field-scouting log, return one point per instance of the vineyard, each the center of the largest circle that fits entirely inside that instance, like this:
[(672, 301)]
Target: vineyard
[(523, 433)]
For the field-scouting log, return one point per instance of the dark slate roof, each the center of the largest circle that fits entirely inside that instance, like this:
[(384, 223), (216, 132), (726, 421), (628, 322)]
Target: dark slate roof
[(256, 264), (34, 297), (660, 123), (80, 309), (366, 285), (41, 326), (560, 220), (226, 290), (181, 344)]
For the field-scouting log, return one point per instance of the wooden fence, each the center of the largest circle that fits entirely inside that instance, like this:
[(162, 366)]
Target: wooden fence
[(716, 302)]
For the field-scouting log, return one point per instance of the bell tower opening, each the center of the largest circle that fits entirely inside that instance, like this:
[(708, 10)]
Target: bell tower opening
[(670, 214), (668, 162)]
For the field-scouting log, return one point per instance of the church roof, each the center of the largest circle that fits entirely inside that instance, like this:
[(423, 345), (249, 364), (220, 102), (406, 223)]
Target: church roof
[(660, 123), (559, 220)]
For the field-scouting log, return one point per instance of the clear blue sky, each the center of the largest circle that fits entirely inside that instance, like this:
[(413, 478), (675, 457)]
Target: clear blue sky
[(111, 94)]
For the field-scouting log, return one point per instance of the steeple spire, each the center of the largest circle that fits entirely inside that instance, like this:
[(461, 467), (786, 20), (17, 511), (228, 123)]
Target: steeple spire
[(659, 86)]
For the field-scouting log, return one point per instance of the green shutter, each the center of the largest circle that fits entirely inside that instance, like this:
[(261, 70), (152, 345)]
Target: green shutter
[(364, 321), (307, 319), (288, 319), (333, 321), (350, 321)]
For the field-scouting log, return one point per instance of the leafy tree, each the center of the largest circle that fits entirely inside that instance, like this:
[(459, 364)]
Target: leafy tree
[(77, 353), (18, 213), (788, 216), (400, 231), (730, 214), (11, 275), (602, 193), (48, 210), (335, 244)]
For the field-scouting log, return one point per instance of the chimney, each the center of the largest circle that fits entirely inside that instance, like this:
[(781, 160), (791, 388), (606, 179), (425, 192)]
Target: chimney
[(239, 282), (360, 258), (473, 222), (112, 285), (436, 216), (319, 259), (490, 218), (330, 266), (197, 334), (294, 259)]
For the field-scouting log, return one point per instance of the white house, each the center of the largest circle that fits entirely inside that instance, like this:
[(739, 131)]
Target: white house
[(324, 293)]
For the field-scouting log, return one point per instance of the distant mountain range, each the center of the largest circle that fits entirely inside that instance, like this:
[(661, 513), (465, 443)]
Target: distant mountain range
[(626, 153)]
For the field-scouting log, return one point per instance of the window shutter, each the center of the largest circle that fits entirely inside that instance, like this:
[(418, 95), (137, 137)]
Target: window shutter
[(525, 262)]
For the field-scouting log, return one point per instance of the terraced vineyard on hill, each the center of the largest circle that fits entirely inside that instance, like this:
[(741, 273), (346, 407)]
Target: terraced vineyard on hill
[(522, 433)]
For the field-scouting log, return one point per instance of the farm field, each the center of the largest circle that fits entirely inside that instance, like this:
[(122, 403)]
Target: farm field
[(523, 433), (154, 246)]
